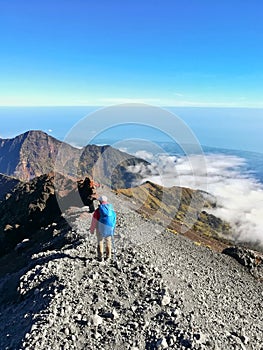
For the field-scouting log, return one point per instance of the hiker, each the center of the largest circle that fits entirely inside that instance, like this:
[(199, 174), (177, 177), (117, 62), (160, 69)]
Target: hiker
[(103, 221), (87, 191)]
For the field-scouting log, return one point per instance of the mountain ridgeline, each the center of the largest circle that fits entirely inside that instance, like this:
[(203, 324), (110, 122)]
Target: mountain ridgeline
[(35, 153)]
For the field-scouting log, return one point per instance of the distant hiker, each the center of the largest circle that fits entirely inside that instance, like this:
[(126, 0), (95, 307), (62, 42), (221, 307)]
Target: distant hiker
[(87, 191), (103, 221)]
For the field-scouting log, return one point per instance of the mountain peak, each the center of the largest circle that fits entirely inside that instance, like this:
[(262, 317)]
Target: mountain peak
[(31, 154), (34, 153), (28, 155)]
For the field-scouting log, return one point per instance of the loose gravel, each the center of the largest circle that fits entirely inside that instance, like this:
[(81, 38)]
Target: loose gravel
[(162, 292)]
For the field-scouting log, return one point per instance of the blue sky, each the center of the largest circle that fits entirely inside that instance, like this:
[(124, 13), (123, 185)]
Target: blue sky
[(166, 53)]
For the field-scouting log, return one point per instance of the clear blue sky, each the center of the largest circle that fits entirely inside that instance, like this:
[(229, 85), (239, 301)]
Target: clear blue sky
[(162, 52)]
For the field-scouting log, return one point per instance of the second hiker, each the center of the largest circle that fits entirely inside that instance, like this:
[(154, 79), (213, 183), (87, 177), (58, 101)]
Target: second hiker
[(103, 221), (87, 191)]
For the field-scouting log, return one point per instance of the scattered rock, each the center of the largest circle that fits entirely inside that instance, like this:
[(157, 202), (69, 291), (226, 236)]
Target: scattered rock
[(65, 299), (162, 344), (252, 260), (165, 300)]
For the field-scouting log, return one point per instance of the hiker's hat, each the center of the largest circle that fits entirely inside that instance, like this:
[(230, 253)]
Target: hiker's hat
[(102, 199)]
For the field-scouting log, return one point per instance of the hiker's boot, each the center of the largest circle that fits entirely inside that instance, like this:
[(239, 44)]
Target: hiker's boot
[(108, 253), (100, 252), (108, 258)]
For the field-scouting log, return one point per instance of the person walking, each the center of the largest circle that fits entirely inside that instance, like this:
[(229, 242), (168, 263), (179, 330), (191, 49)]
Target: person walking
[(87, 192), (103, 222)]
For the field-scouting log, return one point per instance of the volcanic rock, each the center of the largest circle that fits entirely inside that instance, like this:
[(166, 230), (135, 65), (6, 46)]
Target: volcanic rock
[(61, 297)]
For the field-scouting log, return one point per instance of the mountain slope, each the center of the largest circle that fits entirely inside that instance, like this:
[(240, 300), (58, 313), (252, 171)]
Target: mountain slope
[(110, 166), (31, 154), (164, 292), (34, 205), (181, 210)]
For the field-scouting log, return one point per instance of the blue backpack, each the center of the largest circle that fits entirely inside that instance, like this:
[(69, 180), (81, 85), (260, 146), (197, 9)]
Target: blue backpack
[(107, 220)]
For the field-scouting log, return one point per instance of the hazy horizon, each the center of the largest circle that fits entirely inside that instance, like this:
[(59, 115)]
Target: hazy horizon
[(215, 127)]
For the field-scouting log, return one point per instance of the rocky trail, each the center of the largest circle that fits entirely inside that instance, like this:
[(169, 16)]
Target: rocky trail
[(162, 292)]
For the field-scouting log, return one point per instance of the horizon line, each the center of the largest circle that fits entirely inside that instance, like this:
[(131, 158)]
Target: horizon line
[(111, 105), (109, 143)]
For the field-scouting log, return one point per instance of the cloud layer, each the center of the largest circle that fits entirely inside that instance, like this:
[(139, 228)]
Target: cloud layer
[(238, 195)]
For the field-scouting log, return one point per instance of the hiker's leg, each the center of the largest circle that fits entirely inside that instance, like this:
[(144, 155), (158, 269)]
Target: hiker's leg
[(100, 246), (108, 247)]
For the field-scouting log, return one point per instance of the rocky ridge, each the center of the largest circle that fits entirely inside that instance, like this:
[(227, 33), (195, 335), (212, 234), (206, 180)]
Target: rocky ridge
[(37, 203), (36, 153), (163, 292), (7, 184)]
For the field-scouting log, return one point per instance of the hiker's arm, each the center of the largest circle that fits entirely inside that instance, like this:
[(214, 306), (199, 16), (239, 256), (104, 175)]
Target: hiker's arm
[(94, 221)]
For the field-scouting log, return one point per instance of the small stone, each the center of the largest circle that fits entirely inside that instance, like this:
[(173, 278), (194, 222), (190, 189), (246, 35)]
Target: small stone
[(166, 300), (34, 327), (36, 291), (67, 331), (244, 339), (200, 338), (27, 336), (115, 314), (162, 344), (97, 320), (8, 227), (176, 313), (134, 325), (172, 340), (97, 335)]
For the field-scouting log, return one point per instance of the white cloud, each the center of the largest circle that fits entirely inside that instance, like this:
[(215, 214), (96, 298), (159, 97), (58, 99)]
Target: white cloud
[(239, 196), (178, 94), (75, 145), (144, 155)]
